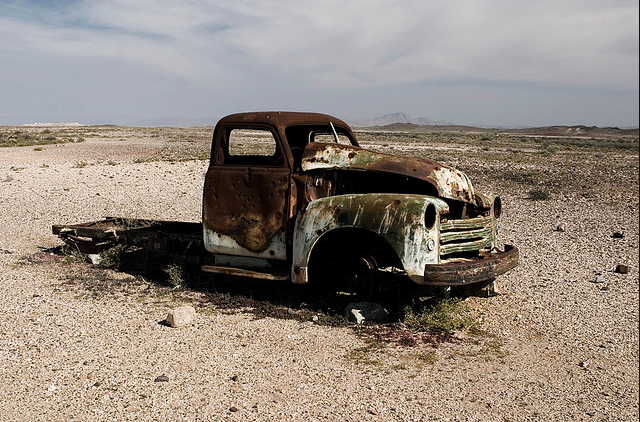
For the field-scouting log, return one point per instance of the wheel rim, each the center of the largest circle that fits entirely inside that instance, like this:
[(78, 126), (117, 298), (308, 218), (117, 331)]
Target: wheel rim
[(361, 277)]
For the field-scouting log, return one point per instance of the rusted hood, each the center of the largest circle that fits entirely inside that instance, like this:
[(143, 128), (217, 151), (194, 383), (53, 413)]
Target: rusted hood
[(449, 182)]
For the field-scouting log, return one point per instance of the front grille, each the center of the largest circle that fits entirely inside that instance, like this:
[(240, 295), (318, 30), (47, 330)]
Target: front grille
[(466, 235)]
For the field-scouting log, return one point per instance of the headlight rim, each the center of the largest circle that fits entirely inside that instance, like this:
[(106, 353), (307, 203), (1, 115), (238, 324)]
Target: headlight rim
[(430, 216), (497, 207)]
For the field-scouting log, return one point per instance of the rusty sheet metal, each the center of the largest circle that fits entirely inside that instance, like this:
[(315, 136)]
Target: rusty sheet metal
[(246, 272), (397, 218), (280, 120), (244, 210), (166, 237), (475, 271), (449, 182), (470, 234)]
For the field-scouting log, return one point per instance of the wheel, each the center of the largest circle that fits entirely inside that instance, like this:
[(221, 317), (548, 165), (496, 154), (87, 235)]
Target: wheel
[(355, 272), (349, 260), (363, 278)]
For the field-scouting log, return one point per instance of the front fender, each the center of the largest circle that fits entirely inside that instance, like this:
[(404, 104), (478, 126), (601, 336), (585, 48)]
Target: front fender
[(397, 218)]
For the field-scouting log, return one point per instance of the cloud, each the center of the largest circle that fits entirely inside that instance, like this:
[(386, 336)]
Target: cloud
[(330, 44), (358, 42)]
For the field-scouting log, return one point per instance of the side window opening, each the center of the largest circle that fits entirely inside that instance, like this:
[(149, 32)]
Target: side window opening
[(251, 147)]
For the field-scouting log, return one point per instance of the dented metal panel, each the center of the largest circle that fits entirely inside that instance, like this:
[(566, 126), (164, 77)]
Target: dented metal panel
[(244, 210), (465, 235), (447, 237), (449, 182), (467, 223), (473, 245), (486, 267), (397, 218)]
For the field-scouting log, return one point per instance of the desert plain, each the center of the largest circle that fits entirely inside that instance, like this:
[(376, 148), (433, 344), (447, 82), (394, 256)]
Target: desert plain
[(82, 342)]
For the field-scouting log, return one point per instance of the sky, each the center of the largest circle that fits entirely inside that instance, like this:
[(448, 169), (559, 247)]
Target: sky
[(474, 62)]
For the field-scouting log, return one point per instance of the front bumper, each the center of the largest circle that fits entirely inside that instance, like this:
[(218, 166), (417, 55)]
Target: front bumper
[(469, 272)]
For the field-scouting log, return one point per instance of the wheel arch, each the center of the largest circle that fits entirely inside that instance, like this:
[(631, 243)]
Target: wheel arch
[(396, 219), (361, 239)]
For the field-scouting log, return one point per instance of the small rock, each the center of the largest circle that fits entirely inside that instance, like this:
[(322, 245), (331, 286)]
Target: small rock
[(360, 312), (622, 269), (355, 316), (52, 388), (94, 258), (583, 364), (314, 318), (598, 279), (179, 317), (485, 289), (617, 235), (233, 409), (161, 378), (234, 378), (561, 228)]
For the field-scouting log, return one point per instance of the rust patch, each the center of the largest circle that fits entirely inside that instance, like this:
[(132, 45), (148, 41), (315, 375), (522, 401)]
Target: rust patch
[(247, 206), (449, 182)]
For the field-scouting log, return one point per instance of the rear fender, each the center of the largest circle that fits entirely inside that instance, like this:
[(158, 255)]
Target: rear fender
[(397, 218)]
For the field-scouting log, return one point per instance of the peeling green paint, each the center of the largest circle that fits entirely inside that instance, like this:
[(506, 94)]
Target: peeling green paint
[(396, 218)]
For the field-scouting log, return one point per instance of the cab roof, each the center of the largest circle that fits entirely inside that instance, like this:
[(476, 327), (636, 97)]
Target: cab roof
[(282, 119)]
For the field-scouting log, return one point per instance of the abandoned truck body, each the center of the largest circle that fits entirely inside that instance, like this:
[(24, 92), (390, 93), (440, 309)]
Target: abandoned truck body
[(293, 196)]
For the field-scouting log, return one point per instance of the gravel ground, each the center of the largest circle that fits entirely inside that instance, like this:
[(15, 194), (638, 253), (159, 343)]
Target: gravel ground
[(557, 345)]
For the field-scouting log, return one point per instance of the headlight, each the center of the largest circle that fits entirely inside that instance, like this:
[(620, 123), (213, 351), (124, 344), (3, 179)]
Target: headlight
[(430, 216), (497, 207)]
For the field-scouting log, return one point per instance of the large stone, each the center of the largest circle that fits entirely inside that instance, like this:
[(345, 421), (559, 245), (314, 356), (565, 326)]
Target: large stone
[(360, 312), (180, 317)]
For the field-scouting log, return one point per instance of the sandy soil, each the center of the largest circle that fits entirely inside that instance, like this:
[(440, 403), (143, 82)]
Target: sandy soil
[(557, 347)]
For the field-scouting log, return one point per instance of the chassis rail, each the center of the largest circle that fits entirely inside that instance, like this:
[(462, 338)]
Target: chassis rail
[(166, 237)]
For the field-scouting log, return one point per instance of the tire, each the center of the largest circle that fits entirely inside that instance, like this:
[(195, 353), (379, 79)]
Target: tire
[(346, 269), (349, 260)]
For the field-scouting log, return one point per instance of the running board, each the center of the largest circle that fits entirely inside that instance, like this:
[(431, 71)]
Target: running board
[(274, 274)]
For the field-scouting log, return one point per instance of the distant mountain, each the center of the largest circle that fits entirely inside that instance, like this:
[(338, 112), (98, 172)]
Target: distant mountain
[(393, 118), (577, 130), (176, 121)]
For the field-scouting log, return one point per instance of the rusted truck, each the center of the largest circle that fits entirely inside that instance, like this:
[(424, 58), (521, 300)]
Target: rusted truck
[(292, 196)]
